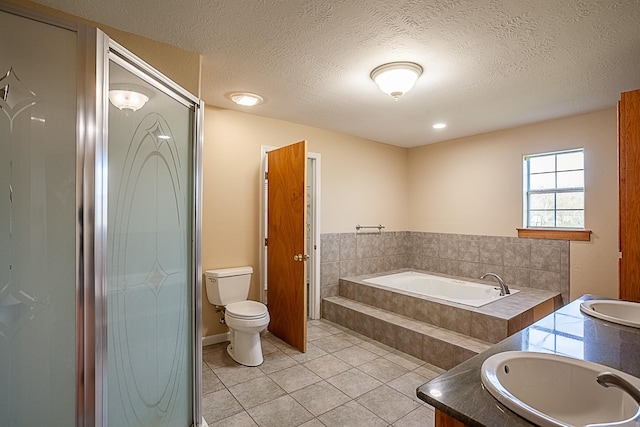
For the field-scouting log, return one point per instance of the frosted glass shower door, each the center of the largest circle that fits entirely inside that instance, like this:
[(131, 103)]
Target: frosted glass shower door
[(37, 223), (149, 258)]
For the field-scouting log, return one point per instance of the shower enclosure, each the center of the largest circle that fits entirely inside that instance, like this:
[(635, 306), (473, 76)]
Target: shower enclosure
[(100, 276)]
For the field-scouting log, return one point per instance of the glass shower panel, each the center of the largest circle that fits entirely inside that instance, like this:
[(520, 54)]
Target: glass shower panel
[(37, 223), (149, 261)]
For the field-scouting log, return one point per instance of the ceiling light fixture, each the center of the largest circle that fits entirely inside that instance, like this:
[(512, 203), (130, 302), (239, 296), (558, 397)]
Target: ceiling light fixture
[(439, 125), (246, 99), (396, 78), (129, 97)]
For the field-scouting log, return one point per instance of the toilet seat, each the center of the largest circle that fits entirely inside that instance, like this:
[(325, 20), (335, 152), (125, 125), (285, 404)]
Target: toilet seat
[(246, 310)]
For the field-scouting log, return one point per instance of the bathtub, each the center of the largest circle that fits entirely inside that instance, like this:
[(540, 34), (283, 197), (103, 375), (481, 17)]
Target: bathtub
[(454, 290)]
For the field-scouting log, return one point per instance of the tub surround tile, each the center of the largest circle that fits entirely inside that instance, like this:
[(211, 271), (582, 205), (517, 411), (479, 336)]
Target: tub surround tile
[(409, 336), (517, 254), (545, 258), (437, 352), (347, 289), (370, 265), (329, 291), (330, 247), (348, 246), (363, 324), (469, 256), (455, 319), (488, 328), (448, 248), (491, 251), (469, 250), (428, 311), (329, 273), (348, 268), (384, 332), (409, 342), (536, 267)]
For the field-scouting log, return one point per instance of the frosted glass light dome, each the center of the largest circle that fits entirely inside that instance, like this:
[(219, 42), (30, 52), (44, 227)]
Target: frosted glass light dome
[(396, 78)]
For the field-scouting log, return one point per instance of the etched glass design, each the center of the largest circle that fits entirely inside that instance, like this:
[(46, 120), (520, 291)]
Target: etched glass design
[(149, 260), (37, 223)]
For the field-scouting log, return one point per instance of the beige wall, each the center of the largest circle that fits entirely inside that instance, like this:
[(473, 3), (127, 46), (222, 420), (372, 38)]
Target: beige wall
[(181, 66), (361, 182), (469, 186), (474, 186)]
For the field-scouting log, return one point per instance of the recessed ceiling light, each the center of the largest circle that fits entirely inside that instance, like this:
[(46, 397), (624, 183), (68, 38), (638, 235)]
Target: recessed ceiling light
[(245, 99), (439, 125), (396, 78)]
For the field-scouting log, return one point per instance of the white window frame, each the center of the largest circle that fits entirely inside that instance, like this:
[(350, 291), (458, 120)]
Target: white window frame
[(527, 190)]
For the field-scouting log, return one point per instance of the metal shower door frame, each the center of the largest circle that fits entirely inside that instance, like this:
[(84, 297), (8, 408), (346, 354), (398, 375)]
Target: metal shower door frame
[(107, 50), (94, 51)]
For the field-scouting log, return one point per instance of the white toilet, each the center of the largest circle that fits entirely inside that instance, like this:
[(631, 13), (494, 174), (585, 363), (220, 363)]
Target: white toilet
[(229, 287)]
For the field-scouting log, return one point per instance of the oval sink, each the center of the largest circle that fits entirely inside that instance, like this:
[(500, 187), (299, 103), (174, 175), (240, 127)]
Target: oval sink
[(622, 312), (553, 390)]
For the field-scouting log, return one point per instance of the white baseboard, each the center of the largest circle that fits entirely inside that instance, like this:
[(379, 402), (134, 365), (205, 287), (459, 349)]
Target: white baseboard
[(215, 339)]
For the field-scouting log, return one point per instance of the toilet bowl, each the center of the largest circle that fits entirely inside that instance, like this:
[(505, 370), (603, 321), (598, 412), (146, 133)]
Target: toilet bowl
[(229, 288), (246, 319)]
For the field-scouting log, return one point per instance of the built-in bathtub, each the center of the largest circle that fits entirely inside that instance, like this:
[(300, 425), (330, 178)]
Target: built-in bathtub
[(445, 288)]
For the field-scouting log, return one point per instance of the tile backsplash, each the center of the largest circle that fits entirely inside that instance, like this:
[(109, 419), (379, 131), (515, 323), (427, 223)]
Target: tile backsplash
[(535, 263)]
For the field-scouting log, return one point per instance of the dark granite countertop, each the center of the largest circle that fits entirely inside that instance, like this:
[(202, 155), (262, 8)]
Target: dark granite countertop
[(459, 391)]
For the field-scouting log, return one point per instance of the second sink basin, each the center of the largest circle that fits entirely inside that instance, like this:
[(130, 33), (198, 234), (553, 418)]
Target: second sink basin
[(553, 390), (616, 311)]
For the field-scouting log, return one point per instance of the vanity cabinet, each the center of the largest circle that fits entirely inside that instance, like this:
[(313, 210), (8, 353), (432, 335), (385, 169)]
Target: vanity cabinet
[(629, 182)]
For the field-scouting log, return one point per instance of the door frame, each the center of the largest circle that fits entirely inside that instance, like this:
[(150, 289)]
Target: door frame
[(314, 257)]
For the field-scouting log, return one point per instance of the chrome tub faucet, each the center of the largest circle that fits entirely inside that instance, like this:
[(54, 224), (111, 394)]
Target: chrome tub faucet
[(504, 289)]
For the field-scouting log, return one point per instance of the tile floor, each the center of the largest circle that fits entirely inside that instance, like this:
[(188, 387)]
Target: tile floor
[(344, 379)]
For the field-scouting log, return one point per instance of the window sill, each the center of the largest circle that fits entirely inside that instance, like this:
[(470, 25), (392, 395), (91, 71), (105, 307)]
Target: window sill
[(556, 234)]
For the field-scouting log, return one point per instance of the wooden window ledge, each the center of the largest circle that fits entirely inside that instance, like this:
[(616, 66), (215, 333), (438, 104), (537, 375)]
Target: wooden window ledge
[(555, 233)]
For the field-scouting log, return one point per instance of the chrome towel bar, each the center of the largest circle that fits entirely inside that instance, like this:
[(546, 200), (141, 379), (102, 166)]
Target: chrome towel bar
[(379, 227)]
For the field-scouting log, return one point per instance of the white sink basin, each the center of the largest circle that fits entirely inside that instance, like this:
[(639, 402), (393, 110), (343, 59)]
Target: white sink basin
[(552, 390), (616, 311)]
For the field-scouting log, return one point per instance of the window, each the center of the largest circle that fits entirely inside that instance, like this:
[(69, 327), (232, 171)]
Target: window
[(554, 190)]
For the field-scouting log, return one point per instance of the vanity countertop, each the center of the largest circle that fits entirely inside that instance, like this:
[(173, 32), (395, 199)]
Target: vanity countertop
[(567, 331)]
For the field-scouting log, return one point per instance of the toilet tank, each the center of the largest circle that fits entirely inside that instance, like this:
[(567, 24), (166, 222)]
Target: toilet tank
[(227, 285)]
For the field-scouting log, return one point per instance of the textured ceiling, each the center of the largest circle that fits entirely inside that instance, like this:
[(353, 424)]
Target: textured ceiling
[(489, 64)]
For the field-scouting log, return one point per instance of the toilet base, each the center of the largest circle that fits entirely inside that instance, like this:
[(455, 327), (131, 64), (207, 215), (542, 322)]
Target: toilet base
[(246, 349)]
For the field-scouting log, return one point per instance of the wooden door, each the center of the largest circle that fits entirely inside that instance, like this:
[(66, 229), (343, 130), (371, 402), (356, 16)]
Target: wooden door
[(286, 236), (629, 175)]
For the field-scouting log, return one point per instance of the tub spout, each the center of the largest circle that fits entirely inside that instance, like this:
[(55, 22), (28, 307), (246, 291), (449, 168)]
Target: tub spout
[(504, 289)]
